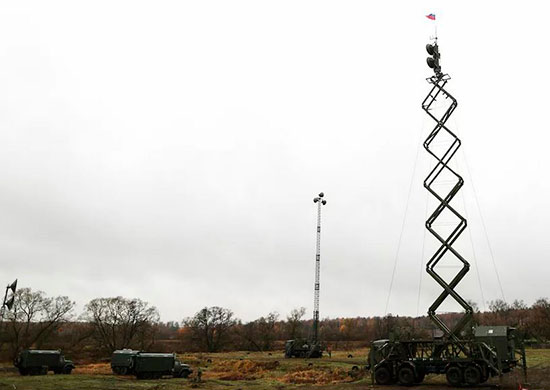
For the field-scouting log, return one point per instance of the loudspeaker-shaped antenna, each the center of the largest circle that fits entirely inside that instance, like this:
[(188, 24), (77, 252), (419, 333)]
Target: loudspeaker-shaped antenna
[(13, 286), (10, 302)]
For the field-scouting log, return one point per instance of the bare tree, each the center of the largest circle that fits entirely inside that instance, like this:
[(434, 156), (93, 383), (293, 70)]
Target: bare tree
[(260, 334), (294, 322), (540, 319), (122, 323), (499, 306), (268, 330), (210, 327), (35, 317)]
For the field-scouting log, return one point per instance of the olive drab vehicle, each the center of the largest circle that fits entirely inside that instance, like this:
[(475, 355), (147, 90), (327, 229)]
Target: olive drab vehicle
[(157, 365), (39, 362), (494, 350), (123, 361), (302, 348)]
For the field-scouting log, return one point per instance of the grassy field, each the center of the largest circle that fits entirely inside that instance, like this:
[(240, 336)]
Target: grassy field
[(250, 371)]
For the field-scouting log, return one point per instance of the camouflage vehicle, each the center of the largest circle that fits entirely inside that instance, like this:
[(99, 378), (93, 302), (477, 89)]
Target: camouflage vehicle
[(302, 348), (39, 362), (492, 351), (123, 361), (157, 365)]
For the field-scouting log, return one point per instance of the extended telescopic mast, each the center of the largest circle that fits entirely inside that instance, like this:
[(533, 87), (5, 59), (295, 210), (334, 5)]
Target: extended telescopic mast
[(320, 201), (439, 94)]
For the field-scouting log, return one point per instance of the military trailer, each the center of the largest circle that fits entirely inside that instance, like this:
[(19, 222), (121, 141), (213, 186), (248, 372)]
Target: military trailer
[(157, 365), (123, 361), (39, 362), (302, 348), (493, 351)]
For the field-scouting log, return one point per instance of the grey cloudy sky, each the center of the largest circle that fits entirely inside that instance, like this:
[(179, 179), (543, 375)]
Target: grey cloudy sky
[(171, 150)]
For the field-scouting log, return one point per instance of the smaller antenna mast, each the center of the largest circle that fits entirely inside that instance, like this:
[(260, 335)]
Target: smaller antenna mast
[(320, 201)]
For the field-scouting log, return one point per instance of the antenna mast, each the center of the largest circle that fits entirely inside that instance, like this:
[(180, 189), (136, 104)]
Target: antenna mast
[(444, 172), (320, 201)]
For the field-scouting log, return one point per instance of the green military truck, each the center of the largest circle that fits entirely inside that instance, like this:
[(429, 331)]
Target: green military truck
[(492, 351), (302, 348), (123, 361), (39, 362), (157, 365)]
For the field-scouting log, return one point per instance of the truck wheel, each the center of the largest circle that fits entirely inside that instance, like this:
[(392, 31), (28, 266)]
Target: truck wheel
[(23, 371), (405, 375), (420, 375), (454, 376), (67, 370), (123, 370), (472, 375), (184, 374), (382, 376)]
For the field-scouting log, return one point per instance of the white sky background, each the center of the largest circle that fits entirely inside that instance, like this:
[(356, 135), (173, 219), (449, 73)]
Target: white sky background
[(171, 150)]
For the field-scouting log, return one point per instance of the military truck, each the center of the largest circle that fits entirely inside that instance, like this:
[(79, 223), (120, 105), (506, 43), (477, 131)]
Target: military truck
[(492, 351), (302, 348), (39, 362), (157, 365), (123, 361)]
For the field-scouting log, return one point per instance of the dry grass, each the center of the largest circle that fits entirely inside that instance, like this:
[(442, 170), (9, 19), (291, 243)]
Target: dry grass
[(94, 369), (317, 376), (240, 369)]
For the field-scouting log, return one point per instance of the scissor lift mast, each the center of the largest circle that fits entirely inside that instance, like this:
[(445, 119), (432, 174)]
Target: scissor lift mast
[(465, 359)]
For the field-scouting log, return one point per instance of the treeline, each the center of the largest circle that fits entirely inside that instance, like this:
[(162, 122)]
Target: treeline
[(107, 324)]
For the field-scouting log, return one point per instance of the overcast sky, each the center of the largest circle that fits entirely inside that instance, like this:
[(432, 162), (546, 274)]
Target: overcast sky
[(170, 150)]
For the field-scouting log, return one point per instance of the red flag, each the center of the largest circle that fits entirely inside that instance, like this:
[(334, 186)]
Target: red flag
[(431, 16)]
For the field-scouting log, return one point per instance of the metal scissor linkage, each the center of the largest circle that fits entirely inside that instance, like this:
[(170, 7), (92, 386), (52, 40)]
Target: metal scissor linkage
[(438, 93)]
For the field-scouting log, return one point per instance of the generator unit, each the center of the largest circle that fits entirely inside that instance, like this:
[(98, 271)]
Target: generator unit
[(303, 348)]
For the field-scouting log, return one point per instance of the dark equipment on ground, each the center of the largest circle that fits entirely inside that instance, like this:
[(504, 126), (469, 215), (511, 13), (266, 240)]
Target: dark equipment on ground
[(39, 362), (465, 358), (312, 347), (157, 365), (123, 361), (8, 301), (302, 348)]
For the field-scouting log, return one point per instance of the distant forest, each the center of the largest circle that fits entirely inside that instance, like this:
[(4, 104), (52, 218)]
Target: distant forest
[(43, 322)]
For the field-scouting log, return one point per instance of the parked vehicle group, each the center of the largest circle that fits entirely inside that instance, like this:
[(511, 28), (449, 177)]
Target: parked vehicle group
[(144, 365)]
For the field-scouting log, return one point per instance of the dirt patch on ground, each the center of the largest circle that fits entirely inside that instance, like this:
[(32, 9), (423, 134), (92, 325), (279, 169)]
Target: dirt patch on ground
[(317, 376), (240, 369), (94, 369)]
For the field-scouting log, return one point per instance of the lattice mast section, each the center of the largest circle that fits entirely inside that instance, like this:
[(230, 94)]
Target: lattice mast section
[(438, 94), (320, 202)]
